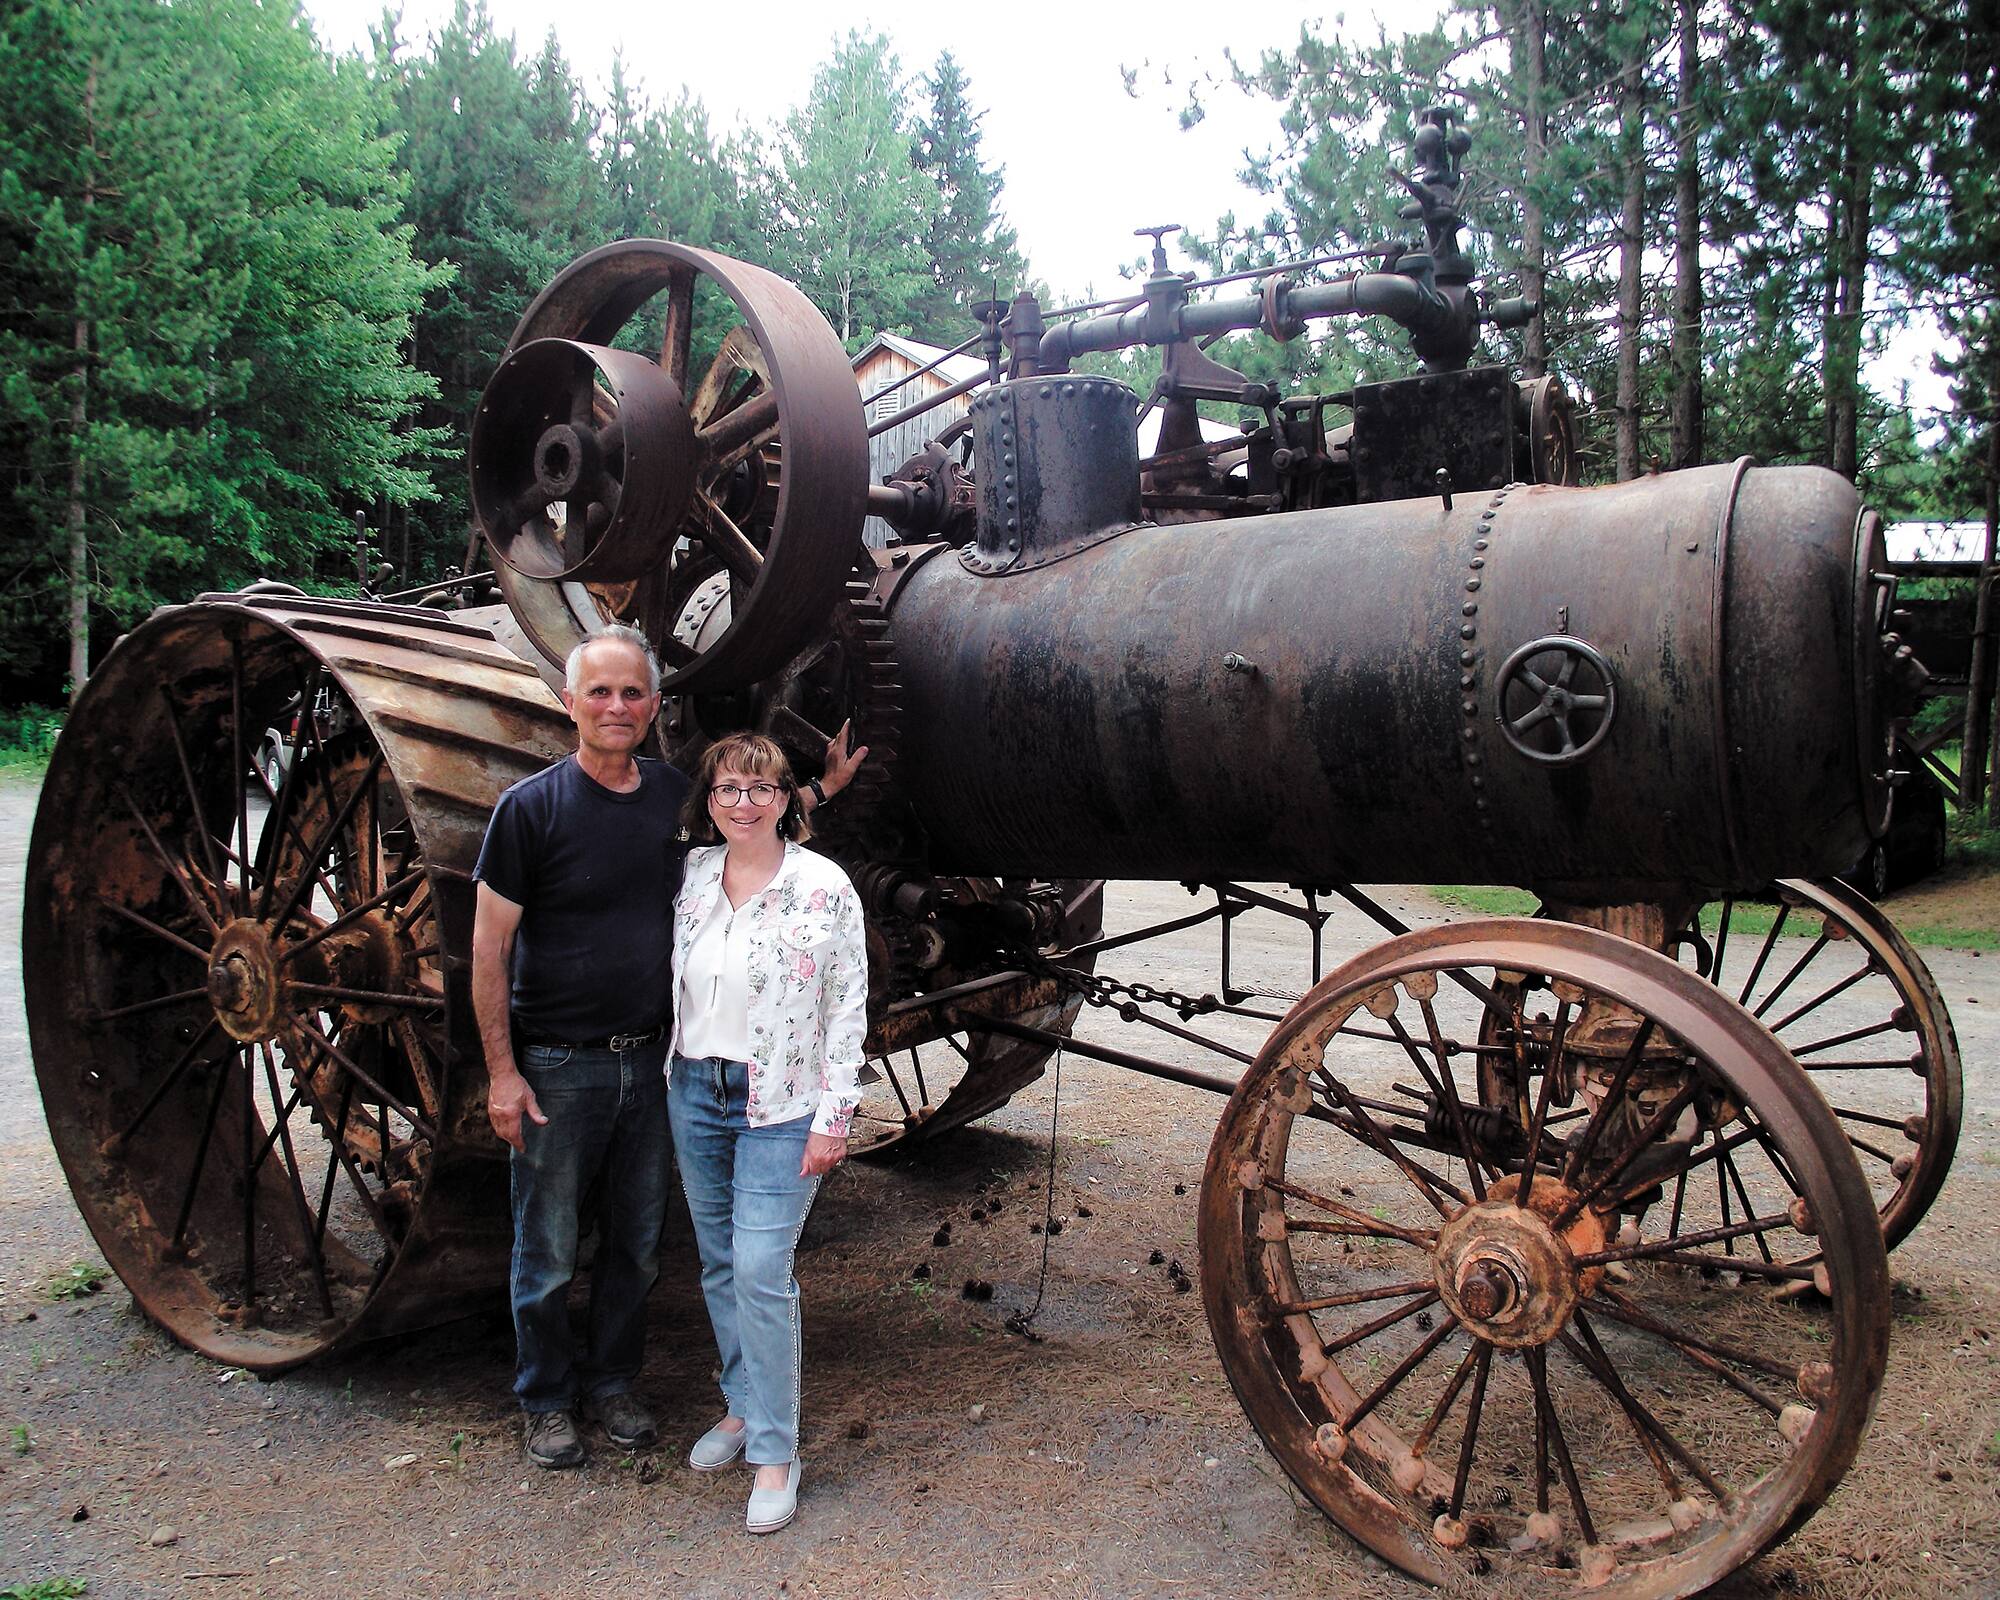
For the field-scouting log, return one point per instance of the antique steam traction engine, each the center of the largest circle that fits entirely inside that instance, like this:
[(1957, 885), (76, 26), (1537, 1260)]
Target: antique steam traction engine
[(1546, 1250)]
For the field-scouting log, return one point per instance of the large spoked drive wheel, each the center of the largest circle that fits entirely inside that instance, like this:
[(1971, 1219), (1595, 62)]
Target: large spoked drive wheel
[(250, 1007), (1450, 1330)]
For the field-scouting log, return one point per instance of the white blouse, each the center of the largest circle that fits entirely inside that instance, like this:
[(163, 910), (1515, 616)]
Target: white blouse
[(712, 987), (806, 968)]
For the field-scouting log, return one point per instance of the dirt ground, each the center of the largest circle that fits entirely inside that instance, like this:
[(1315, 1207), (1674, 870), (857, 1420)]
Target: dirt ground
[(1109, 1459)]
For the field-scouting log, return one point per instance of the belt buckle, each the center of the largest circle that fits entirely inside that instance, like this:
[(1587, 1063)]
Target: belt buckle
[(630, 1041)]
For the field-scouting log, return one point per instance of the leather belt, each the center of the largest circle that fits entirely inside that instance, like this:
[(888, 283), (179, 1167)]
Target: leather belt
[(612, 1041)]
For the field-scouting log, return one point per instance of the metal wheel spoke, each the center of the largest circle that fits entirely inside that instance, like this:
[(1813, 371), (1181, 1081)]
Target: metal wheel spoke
[(201, 828), (677, 329), (1387, 1320), (1763, 955), (1727, 1164), (1653, 1436), (1621, 1307), (1354, 1297), (1361, 1220), (1446, 1087), (241, 751), (1839, 1039), (328, 835), (1551, 1072), (177, 998), (1791, 974), (173, 867), (345, 1160), (373, 997), (200, 1156), (166, 1083), (340, 1057), (1442, 1407), (1402, 1370), (730, 543), (1820, 999), (354, 913), (1537, 1364), (1657, 1124), (314, 1254), (1387, 1146), (1593, 1130), (1469, 1442), (1662, 1249), (154, 928)]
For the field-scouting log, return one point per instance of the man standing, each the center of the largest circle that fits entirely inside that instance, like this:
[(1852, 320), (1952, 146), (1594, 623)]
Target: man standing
[(571, 981)]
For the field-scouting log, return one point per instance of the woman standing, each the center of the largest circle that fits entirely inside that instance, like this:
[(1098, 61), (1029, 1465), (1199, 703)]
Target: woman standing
[(770, 1012)]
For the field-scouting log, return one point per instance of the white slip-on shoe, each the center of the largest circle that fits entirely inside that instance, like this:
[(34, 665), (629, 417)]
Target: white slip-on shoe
[(716, 1448), (771, 1509)]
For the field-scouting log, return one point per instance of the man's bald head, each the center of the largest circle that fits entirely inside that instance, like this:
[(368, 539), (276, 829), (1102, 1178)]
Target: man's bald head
[(616, 635)]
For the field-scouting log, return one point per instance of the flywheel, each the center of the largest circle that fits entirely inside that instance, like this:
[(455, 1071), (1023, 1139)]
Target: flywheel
[(250, 1003), (615, 486)]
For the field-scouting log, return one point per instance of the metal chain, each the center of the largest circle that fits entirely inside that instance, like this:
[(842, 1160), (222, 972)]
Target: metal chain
[(1099, 989)]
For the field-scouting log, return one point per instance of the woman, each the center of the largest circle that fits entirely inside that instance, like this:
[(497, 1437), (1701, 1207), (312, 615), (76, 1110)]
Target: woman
[(770, 994)]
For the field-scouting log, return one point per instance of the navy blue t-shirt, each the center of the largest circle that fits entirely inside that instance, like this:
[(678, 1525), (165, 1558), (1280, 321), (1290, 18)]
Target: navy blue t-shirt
[(594, 873)]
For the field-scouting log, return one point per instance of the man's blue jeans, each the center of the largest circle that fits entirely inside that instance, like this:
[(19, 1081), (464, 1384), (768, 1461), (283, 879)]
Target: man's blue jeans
[(748, 1204), (607, 1127)]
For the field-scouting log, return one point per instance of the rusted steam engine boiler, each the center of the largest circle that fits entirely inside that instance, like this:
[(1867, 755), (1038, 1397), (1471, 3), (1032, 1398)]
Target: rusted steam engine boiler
[(1543, 1251)]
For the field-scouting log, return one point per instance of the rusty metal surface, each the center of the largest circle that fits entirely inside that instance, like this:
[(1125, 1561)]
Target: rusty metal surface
[(1689, 1481), (1311, 697), (779, 401), (342, 1065)]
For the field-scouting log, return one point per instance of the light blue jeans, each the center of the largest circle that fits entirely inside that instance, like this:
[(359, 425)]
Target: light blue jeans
[(749, 1204)]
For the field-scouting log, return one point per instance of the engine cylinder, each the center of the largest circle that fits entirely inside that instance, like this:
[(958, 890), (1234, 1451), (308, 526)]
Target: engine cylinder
[(1593, 692)]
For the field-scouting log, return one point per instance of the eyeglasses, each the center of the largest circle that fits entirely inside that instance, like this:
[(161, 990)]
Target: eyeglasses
[(761, 794)]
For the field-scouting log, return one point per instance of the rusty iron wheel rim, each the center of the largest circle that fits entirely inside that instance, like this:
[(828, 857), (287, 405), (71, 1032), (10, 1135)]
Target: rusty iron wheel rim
[(224, 979), (779, 463), (1342, 1389)]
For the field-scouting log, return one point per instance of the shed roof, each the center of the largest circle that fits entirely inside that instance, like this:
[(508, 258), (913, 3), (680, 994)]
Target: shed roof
[(952, 368)]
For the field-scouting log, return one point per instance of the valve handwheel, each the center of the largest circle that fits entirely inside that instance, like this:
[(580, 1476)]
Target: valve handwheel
[(1557, 698), (612, 485)]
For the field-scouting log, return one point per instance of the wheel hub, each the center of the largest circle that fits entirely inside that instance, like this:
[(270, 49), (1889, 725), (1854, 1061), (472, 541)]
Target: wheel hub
[(1505, 1273), (244, 984)]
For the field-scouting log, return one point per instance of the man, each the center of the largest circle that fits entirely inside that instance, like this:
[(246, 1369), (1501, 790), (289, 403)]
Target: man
[(571, 958)]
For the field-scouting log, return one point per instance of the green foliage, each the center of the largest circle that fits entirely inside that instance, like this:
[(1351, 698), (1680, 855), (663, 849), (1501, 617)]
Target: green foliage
[(27, 735), (46, 1589), (78, 1281), (851, 207), (202, 233), (23, 1440)]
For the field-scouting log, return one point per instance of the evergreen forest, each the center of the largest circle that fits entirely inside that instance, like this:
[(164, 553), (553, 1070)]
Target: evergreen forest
[(251, 288)]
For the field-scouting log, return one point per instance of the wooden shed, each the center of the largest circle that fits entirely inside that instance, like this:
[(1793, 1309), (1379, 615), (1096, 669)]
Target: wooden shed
[(890, 359)]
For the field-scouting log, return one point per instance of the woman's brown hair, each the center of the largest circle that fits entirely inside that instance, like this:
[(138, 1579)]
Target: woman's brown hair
[(757, 755)]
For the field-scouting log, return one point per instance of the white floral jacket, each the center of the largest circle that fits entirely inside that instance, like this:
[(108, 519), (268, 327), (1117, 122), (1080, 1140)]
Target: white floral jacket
[(808, 984)]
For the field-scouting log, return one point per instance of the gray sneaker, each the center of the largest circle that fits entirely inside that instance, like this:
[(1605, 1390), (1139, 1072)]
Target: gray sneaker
[(625, 1422), (553, 1440)]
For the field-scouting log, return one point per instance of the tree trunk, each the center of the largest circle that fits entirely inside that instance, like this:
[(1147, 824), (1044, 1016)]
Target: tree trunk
[(1684, 347), (1847, 222), (1972, 763), (1631, 248), (1531, 47), (79, 417)]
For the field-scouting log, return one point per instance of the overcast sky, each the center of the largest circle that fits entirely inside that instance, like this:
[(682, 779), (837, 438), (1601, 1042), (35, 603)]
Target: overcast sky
[(1085, 162)]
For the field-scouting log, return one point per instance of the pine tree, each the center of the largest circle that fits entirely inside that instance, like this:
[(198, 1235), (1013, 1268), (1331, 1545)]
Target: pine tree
[(973, 252), (851, 208)]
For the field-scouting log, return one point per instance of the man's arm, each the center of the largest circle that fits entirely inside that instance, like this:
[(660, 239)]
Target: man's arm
[(495, 920)]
